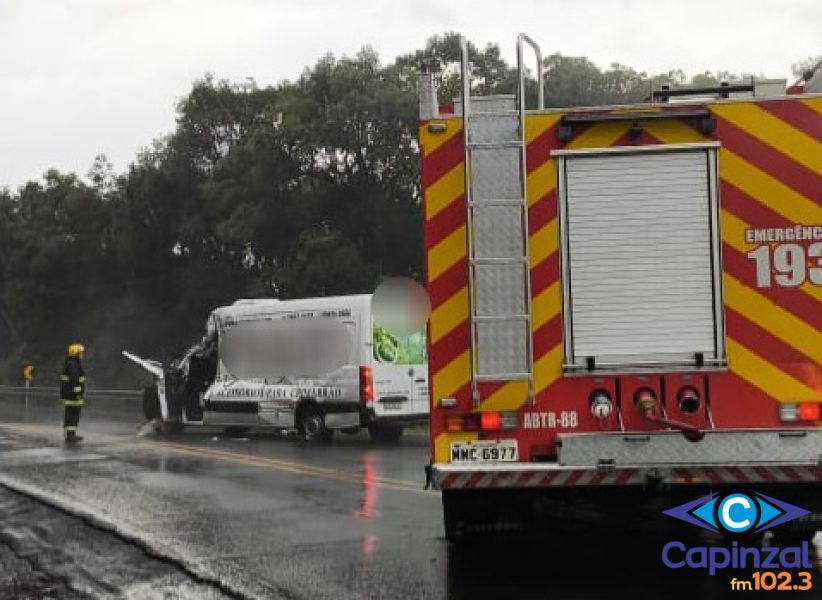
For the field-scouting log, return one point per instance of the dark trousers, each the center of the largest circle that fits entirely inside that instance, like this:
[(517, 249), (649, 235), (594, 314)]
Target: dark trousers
[(71, 419)]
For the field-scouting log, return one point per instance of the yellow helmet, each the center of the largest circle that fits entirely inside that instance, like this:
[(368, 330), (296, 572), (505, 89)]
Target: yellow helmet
[(75, 350)]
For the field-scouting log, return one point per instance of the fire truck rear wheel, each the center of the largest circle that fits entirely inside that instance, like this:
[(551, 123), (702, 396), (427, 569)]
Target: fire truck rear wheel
[(151, 403), (311, 424)]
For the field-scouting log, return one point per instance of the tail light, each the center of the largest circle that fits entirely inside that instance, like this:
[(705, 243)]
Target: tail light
[(645, 402), (601, 404), (809, 411), (688, 400), (802, 411), (490, 421), (482, 421), (367, 387)]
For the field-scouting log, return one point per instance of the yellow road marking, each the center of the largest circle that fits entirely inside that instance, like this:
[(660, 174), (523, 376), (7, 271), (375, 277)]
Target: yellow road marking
[(284, 465), (246, 459)]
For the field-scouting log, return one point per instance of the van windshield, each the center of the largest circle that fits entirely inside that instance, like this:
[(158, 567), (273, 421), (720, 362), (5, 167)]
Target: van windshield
[(399, 350)]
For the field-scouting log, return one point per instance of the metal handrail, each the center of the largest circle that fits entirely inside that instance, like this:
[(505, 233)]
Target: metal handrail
[(522, 38), (469, 241), (466, 75)]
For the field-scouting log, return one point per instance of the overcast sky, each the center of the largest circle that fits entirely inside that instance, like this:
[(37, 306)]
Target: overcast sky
[(83, 77)]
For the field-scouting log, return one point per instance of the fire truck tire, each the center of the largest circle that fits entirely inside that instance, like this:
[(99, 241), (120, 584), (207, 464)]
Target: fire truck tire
[(151, 403), (311, 424), (385, 433)]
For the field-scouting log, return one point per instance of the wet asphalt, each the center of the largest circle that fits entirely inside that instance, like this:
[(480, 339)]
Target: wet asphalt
[(266, 516)]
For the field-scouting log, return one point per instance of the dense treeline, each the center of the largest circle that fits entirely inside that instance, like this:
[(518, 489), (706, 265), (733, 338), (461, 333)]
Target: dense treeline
[(303, 188)]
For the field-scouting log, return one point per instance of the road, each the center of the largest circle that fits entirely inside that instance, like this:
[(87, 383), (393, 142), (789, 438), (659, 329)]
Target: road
[(269, 517)]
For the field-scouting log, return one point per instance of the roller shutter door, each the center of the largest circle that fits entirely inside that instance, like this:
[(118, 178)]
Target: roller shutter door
[(640, 261)]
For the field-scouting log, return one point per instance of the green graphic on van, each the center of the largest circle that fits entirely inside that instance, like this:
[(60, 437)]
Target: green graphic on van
[(407, 350)]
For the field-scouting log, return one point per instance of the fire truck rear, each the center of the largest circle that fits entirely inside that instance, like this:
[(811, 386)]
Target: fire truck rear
[(627, 301)]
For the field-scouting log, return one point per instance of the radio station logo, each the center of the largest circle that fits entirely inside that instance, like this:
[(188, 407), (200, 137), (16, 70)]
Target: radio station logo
[(742, 516), (737, 513)]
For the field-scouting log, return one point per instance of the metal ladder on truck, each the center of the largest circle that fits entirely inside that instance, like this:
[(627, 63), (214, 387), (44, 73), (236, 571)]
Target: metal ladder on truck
[(499, 288)]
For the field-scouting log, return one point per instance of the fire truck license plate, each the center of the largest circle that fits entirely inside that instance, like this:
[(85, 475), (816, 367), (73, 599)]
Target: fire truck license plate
[(484, 451)]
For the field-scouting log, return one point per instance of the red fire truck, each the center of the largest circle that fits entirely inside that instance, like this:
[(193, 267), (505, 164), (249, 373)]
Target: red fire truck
[(627, 301)]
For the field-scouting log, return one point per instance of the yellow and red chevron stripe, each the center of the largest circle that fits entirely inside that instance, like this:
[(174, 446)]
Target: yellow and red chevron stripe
[(770, 170)]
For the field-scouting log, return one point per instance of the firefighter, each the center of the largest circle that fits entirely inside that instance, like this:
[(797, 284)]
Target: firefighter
[(72, 390)]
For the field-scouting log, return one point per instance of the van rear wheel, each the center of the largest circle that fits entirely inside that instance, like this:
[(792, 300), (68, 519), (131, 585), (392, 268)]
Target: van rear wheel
[(311, 425)]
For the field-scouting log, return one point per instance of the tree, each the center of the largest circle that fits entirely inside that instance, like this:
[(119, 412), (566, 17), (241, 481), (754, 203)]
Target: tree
[(302, 188)]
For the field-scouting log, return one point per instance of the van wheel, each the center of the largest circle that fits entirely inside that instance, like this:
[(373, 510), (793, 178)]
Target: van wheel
[(151, 403), (311, 425), (385, 433)]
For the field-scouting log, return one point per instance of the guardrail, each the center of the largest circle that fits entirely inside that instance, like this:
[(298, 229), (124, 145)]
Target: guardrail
[(55, 392)]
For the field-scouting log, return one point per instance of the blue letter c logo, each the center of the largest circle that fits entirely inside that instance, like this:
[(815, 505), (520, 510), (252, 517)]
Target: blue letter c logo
[(737, 513)]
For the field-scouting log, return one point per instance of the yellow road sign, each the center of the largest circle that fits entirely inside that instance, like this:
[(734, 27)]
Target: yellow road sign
[(28, 372)]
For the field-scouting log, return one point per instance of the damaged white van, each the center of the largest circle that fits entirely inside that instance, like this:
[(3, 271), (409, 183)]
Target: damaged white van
[(314, 365)]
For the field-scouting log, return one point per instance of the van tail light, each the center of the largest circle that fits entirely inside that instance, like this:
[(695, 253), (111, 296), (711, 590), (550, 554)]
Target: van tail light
[(367, 387), (482, 421), (808, 412)]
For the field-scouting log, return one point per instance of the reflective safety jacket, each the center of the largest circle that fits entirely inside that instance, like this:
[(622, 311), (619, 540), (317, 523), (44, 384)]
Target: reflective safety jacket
[(72, 382)]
